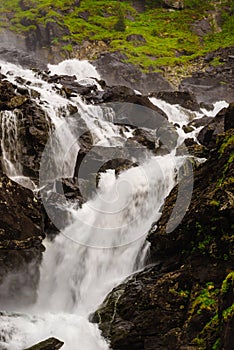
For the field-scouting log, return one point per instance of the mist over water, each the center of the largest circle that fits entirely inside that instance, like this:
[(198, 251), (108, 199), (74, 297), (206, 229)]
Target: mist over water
[(106, 239)]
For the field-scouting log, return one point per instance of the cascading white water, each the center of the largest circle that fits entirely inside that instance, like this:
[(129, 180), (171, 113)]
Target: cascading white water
[(181, 116), (76, 277), (9, 143), (106, 241)]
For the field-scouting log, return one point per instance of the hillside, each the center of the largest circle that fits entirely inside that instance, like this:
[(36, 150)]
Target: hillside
[(152, 34)]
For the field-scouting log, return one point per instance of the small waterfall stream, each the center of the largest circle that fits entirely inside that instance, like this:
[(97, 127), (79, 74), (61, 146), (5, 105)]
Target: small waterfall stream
[(106, 239)]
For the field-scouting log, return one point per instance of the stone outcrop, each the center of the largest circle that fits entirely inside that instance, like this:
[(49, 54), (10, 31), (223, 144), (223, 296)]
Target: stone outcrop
[(115, 71), (185, 99)]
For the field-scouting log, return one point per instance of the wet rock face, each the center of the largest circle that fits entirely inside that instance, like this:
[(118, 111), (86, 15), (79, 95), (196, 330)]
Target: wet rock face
[(143, 317), (21, 234), (32, 126), (181, 301), (229, 117), (21, 222)]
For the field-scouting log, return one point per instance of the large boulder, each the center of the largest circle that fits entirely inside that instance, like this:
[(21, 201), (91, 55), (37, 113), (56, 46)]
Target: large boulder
[(115, 71), (185, 99)]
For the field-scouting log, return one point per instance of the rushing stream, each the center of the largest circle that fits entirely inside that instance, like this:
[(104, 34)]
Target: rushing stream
[(106, 239)]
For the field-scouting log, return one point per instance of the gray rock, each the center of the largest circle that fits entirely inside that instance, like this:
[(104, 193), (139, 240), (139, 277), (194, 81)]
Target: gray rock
[(202, 27), (48, 344), (115, 71)]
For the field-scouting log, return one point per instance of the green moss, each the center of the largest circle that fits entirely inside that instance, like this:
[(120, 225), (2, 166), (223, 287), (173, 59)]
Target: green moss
[(169, 37), (214, 203), (181, 293), (228, 283), (228, 314), (216, 62), (229, 140), (216, 345), (206, 299), (211, 328)]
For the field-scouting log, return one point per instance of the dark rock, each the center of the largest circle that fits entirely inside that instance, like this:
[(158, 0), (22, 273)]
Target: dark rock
[(7, 92), (210, 200), (187, 129), (207, 106), (209, 57), (229, 117), (206, 89), (69, 85), (144, 294), (118, 94), (185, 99), (146, 138), (227, 319), (2, 76), (193, 149), (21, 234), (32, 127), (115, 71), (48, 344), (207, 136), (196, 123), (16, 102)]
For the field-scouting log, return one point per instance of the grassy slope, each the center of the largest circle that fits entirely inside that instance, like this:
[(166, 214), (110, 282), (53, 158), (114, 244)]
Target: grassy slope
[(169, 39)]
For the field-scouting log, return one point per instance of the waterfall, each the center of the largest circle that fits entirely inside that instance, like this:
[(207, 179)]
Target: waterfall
[(106, 239), (9, 143)]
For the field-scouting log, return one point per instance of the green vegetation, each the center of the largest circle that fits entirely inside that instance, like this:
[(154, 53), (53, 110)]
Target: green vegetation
[(206, 299), (228, 283), (169, 37), (210, 328)]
